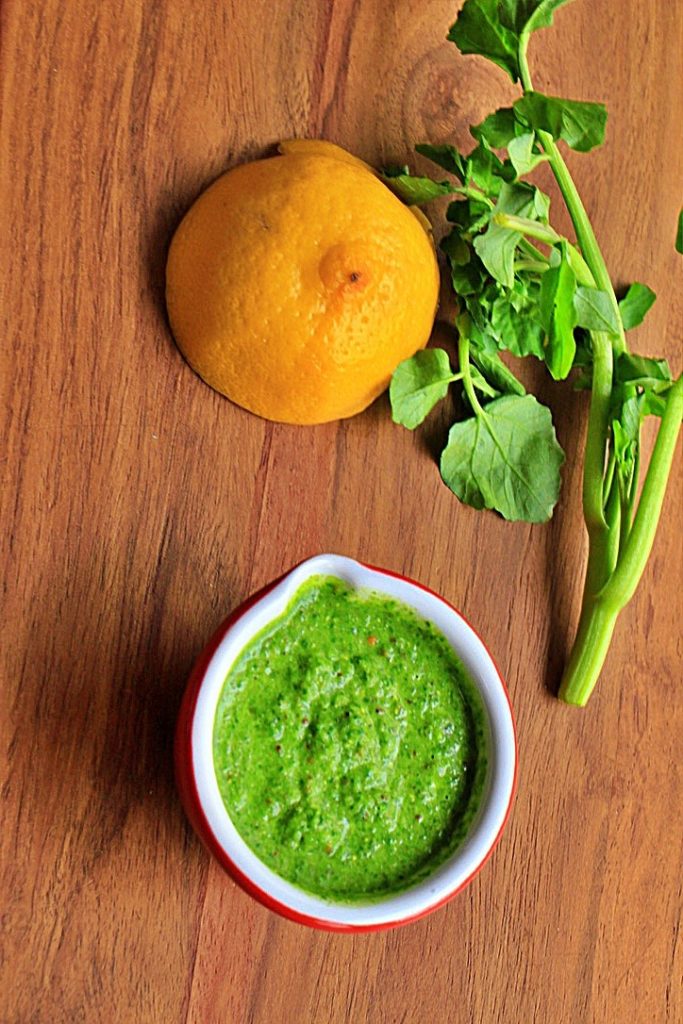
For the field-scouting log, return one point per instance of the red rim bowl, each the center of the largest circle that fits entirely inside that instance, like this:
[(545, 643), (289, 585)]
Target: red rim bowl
[(198, 787)]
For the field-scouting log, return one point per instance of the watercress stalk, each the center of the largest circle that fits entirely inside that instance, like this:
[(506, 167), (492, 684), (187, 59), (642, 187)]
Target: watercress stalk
[(464, 329), (603, 537), (593, 638), (603, 345), (535, 266), (529, 228), (600, 610), (558, 306), (535, 254), (623, 582), (618, 551), (582, 225), (469, 192)]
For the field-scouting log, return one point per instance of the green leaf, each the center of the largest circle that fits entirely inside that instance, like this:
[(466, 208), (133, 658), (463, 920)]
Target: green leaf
[(652, 403), (579, 266), (521, 200), (537, 14), (467, 278), (485, 170), (446, 157), (494, 28), (418, 384), (635, 304), (651, 374), (481, 384), (679, 233), (558, 316), (580, 125), (498, 128), (489, 363), (524, 296), (629, 411), (541, 205), (471, 215), (496, 250), (625, 449), (623, 444), (479, 306), (517, 330), (496, 247), (630, 407), (640, 387), (583, 361), (412, 189), (594, 310), (455, 247), (522, 154), (507, 459), (479, 30)]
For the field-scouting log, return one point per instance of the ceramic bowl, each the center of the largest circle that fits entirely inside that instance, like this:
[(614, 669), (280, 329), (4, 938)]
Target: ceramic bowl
[(198, 786)]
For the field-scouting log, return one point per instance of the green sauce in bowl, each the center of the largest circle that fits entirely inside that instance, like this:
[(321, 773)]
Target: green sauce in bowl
[(349, 744)]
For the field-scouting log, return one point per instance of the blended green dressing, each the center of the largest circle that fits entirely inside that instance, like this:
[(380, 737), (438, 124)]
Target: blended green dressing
[(349, 744)]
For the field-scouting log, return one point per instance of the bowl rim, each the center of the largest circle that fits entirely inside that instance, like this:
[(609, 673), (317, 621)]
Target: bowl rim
[(195, 772)]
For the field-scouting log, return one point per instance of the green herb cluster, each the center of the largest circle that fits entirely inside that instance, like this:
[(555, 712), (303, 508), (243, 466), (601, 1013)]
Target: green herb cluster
[(525, 289)]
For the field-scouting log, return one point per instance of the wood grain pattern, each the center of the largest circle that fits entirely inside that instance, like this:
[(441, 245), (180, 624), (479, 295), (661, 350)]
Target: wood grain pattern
[(138, 507)]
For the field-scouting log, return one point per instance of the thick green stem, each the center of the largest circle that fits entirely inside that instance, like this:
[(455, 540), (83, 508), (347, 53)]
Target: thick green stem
[(603, 346), (600, 610), (582, 225), (607, 587), (632, 560), (590, 250), (593, 638)]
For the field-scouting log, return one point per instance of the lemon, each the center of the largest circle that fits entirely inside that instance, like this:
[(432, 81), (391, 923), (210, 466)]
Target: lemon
[(296, 284)]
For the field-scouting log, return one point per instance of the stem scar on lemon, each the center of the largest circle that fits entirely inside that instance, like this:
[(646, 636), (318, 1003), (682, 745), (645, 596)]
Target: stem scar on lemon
[(296, 284)]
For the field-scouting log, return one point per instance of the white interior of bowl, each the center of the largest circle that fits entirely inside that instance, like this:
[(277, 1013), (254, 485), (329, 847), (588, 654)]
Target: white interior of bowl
[(501, 747)]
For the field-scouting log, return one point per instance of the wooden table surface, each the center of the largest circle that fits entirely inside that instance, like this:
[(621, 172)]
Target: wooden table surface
[(139, 507)]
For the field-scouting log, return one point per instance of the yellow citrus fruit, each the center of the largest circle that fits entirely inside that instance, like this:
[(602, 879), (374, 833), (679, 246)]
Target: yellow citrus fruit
[(296, 284)]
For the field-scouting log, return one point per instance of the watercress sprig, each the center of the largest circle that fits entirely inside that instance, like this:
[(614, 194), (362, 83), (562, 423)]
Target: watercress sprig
[(524, 288)]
